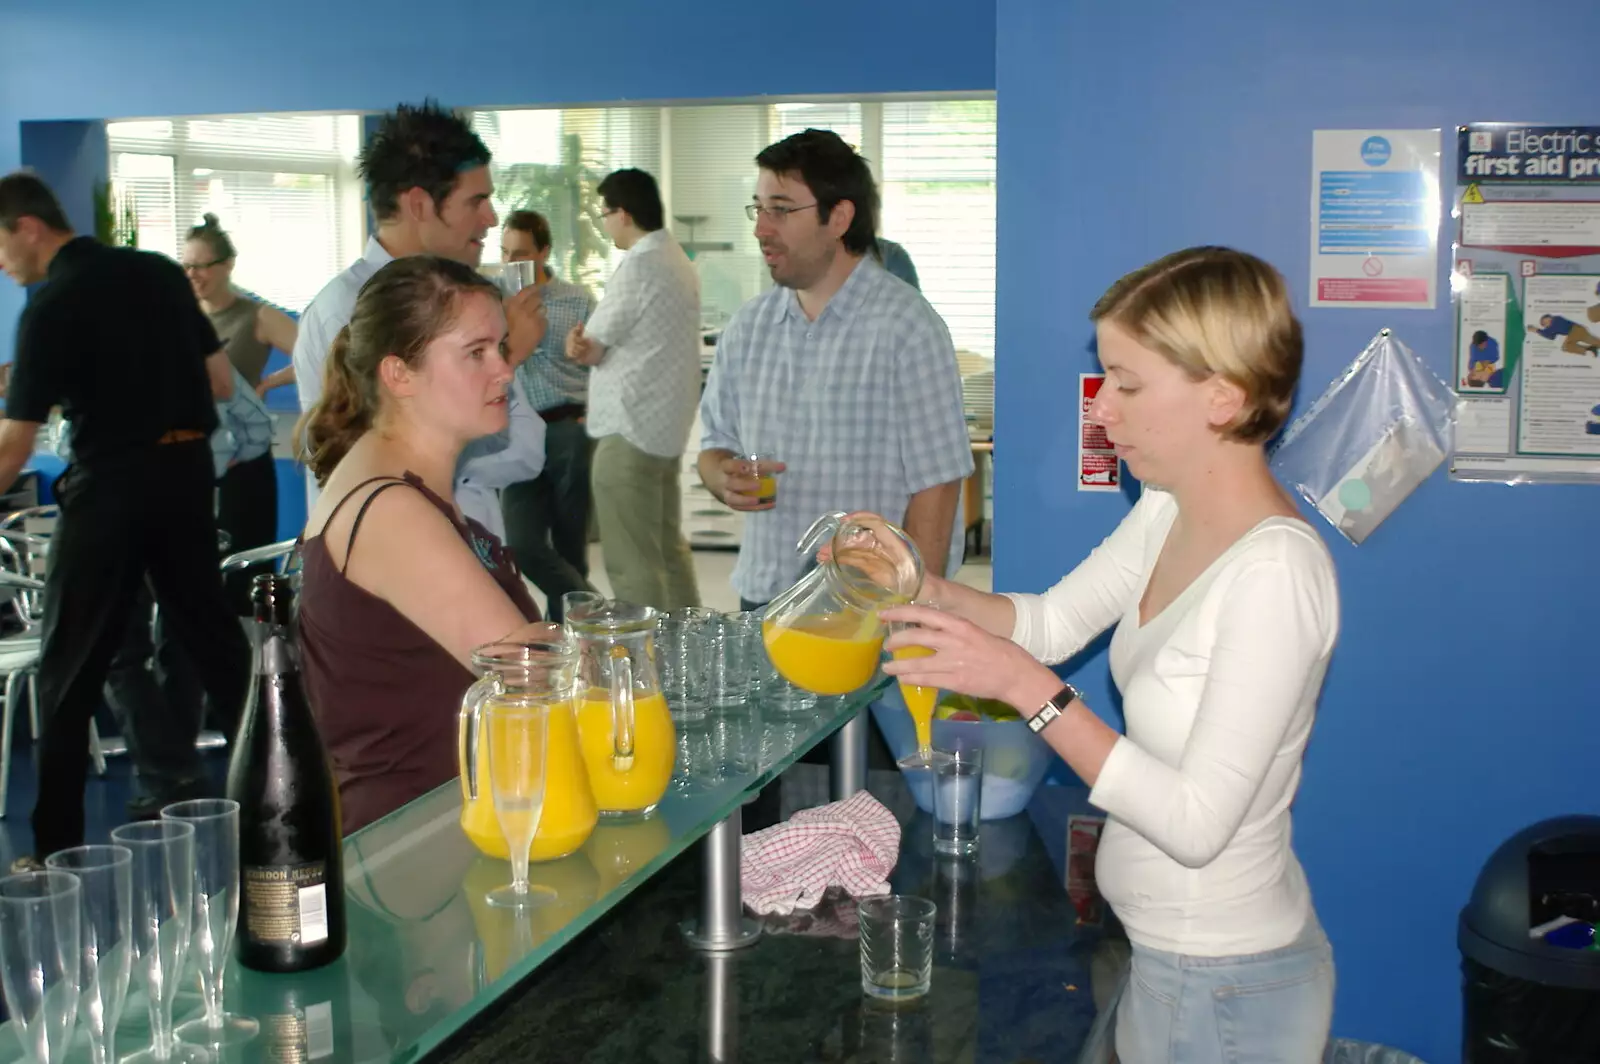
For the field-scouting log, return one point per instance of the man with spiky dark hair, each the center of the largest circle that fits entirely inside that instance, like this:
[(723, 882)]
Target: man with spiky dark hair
[(427, 180)]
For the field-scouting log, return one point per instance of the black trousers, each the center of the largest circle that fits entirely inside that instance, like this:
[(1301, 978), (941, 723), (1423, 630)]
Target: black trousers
[(154, 693), (146, 516), (247, 510), (547, 519)]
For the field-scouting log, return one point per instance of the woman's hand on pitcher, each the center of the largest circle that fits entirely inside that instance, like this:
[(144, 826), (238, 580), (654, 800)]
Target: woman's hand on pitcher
[(965, 658)]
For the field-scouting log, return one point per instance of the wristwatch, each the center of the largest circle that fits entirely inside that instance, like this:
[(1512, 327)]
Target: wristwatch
[(1053, 708)]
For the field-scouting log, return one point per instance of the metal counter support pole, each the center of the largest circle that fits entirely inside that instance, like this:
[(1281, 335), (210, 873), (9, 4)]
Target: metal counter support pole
[(722, 1009), (848, 761), (722, 924)]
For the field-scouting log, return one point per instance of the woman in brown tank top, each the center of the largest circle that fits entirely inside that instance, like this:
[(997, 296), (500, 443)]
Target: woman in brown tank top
[(398, 588)]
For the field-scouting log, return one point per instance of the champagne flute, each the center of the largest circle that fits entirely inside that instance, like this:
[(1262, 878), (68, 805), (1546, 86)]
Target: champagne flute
[(216, 911), (41, 960), (105, 877), (518, 735), (163, 920), (920, 701)]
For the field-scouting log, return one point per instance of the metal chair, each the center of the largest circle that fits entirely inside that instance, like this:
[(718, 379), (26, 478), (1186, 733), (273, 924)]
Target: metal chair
[(24, 550), (283, 552), (19, 661), (24, 547)]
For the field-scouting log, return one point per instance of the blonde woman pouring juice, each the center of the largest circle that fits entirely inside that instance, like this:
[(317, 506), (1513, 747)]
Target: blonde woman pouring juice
[(1226, 612)]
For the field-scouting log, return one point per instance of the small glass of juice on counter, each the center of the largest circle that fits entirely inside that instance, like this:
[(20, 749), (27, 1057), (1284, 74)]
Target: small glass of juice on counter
[(920, 701)]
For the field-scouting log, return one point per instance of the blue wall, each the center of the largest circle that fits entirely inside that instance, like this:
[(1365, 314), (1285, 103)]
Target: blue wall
[(1460, 705), (73, 156)]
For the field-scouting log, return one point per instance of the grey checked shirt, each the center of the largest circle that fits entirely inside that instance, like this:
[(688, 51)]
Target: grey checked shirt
[(863, 405), (645, 387), (549, 377)]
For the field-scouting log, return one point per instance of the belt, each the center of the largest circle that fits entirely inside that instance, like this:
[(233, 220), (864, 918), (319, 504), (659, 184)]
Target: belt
[(565, 412), (180, 436)]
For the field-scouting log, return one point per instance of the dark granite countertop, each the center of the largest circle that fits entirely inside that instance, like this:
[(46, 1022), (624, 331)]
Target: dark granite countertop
[(1015, 977)]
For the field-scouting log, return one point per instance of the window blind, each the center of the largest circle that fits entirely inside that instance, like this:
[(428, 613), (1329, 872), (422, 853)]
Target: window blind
[(552, 161), (283, 187), (843, 117), (938, 188), (713, 173)]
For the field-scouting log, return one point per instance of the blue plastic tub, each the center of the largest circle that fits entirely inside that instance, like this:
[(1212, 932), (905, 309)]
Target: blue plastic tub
[(1014, 759)]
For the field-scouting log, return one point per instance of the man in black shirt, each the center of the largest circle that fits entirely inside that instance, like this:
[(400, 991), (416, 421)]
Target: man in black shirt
[(117, 340)]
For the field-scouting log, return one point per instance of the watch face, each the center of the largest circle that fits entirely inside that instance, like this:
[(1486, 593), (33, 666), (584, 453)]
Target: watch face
[(1047, 713)]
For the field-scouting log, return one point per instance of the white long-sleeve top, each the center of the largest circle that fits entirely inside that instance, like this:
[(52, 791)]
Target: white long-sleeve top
[(1218, 690)]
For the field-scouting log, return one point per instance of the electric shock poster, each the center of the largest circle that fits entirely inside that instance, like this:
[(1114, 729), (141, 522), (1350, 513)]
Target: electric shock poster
[(1526, 293)]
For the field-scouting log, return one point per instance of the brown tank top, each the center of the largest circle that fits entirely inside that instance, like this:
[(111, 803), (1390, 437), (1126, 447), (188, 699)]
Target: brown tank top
[(236, 328), (385, 695)]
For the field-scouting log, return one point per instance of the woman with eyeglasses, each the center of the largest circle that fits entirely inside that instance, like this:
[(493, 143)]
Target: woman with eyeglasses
[(247, 494), (249, 328)]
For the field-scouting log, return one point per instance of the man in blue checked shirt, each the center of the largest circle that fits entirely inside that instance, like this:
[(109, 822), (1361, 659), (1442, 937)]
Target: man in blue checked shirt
[(842, 372), (547, 519)]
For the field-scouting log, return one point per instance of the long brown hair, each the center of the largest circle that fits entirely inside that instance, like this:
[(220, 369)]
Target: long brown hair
[(400, 310)]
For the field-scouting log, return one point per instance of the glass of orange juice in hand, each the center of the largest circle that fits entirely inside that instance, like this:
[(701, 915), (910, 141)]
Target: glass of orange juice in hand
[(768, 491), (920, 700)]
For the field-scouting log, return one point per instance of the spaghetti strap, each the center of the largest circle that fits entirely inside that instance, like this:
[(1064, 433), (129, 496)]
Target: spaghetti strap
[(388, 482)]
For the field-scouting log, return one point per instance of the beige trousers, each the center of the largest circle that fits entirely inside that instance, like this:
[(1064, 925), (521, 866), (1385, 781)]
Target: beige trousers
[(638, 506)]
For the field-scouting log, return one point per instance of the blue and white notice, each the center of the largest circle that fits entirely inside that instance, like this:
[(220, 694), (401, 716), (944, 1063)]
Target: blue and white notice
[(1375, 211)]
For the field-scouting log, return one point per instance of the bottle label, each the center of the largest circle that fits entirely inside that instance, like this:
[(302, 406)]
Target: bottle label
[(286, 903), (298, 1037)]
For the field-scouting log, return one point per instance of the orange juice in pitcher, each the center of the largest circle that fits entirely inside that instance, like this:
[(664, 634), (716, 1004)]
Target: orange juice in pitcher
[(829, 654), (524, 673), (823, 634), (624, 728), (637, 788)]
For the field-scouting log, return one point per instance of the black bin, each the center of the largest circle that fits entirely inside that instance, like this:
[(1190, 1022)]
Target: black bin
[(1525, 1000)]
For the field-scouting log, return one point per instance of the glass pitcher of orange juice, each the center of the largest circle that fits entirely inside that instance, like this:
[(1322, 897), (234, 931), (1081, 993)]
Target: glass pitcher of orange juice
[(536, 672), (624, 727), (823, 634)]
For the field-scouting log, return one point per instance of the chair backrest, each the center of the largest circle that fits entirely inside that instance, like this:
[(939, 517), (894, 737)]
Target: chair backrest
[(24, 551), (284, 553), (284, 557)]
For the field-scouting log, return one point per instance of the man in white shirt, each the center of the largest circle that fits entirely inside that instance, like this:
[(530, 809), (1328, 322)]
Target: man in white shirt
[(643, 341), (428, 183)]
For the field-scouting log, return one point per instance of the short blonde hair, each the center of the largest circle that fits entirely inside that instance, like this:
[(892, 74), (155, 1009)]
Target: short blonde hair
[(1213, 310)]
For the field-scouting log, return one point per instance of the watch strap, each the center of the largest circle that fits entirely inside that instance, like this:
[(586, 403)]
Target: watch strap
[(1053, 708)]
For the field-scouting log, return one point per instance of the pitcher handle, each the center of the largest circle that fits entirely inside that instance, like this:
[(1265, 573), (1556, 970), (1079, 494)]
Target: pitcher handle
[(621, 709), (467, 736), (822, 529)]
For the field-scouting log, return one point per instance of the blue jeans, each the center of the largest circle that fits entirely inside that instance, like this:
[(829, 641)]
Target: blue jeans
[(1264, 1008)]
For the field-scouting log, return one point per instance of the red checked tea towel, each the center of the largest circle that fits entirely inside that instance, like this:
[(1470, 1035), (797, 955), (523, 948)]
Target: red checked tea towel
[(851, 844)]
